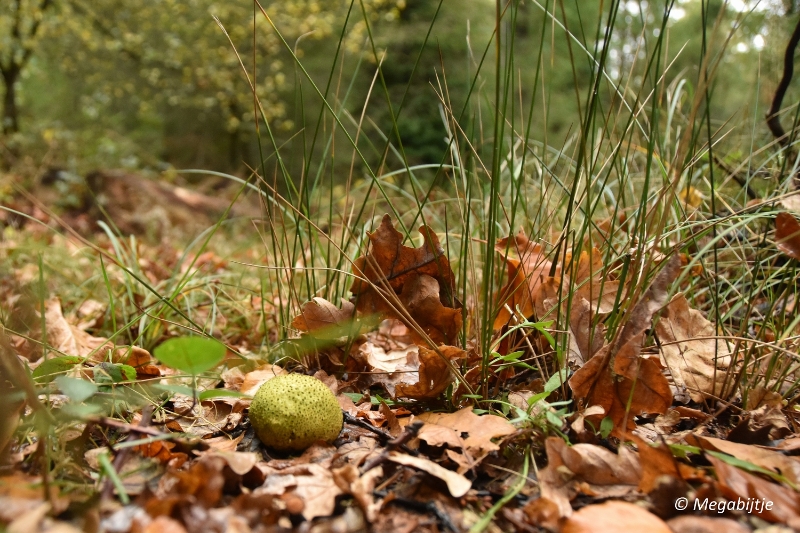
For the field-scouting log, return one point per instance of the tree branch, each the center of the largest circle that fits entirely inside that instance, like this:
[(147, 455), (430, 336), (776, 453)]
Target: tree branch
[(773, 119)]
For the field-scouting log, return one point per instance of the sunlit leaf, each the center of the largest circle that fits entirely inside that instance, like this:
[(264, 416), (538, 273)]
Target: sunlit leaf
[(48, 370), (193, 355)]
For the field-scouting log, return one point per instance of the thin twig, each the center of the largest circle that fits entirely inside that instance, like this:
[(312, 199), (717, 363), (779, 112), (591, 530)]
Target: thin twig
[(122, 456)]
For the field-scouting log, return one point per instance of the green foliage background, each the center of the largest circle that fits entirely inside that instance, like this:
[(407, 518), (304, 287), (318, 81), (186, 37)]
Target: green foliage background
[(155, 83)]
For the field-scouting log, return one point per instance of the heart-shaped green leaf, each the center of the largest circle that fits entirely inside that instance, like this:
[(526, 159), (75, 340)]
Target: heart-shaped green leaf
[(193, 355)]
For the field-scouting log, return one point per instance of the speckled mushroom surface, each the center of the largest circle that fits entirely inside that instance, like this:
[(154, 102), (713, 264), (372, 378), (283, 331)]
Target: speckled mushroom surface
[(293, 411)]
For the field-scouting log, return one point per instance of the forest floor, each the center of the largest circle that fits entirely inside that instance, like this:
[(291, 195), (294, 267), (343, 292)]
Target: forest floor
[(131, 351)]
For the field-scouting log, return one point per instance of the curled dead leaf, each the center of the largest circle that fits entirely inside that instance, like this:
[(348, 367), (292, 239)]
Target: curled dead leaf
[(787, 235), (697, 364), (528, 267), (457, 484), (420, 280), (618, 377), (319, 314)]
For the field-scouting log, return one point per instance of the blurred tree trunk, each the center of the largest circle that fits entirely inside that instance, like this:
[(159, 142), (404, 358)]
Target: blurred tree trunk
[(16, 56), (10, 110)]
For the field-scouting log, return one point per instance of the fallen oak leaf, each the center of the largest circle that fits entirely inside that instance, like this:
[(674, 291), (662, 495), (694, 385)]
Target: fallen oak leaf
[(457, 484), (360, 486), (614, 517), (433, 375), (777, 462), (73, 341), (698, 364), (618, 378), (318, 315), (464, 429), (526, 274), (588, 469), (737, 484), (705, 524), (787, 234)]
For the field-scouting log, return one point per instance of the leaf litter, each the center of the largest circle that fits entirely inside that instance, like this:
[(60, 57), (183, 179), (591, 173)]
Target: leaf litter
[(417, 449)]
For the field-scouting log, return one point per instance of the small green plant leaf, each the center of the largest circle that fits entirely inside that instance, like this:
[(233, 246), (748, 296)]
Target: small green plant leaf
[(555, 381), (48, 370), (355, 396), (750, 467), (106, 373), (606, 425), (193, 355), (78, 390)]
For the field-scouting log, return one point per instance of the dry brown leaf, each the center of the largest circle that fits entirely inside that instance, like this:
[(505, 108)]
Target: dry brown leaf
[(587, 469), (705, 524), (71, 340), (313, 483), (421, 298), (253, 380), (585, 340), (526, 273), (320, 314), (697, 364), (614, 517), (600, 293), (433, 375), (787, 235), (735, 483), (457, 484), (775, 461), (360, 486), (618, 377), (390, 266), (466, 430), (391, 361), (656, 461), (164, 524)]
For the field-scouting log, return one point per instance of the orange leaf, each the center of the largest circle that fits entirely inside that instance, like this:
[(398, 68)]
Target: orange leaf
[(787, 234), (434, 374), (420, 280), (737, 484), (319, 314), (613, 517), (525, 277), (618, 378)]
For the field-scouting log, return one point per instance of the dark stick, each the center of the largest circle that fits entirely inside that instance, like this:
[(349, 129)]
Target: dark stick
[(122, 456), (773, 120), (384, 437)]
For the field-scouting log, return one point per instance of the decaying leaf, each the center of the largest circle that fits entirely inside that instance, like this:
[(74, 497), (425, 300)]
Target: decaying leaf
[(613, 517), (595, 470), (591, 286), (466, 431), (361, 487), (71, 340), (433, 375), (705, 524), (787, 235), (526, 273), (618, 377), (320, 314), (787, 466), (420, 279), (312, 484), (697, 364), (457, 484), (737, 484), (413, 372)]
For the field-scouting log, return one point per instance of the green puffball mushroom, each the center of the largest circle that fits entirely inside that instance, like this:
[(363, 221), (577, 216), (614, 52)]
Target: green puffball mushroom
[(291, 412)]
